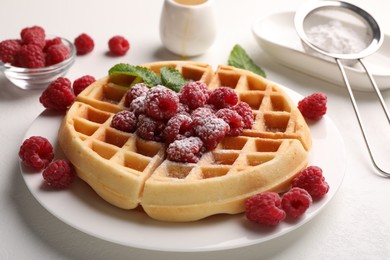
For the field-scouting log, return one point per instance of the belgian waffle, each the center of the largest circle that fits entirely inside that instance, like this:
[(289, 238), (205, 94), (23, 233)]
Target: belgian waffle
[(128, 171)]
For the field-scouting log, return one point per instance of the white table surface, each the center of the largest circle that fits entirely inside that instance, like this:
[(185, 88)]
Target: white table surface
[(354, 225)]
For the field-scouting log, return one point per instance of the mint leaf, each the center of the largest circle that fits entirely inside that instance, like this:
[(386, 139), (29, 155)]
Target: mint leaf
[(148, 76), (239, 58), (171, 78)]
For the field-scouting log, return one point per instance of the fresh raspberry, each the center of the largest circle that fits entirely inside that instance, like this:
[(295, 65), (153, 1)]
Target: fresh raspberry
[(211, 131), (264, 208), (36, 152), (34, 29), (161, 103), (135, 91), (183, 109), (187, 150), (312, 180), (223, 97), (138, 105), (33, 35), (82, 83), (202, 112), (30, 56), (233, 119), (50, 42), (178, 127), (118, 45), (295, 202), (245, 111), (149, 129), (313, 107), (194, 94), (56, 53), (58, 95), (84, 44), (8, 50), (125, 121), (59, 174)]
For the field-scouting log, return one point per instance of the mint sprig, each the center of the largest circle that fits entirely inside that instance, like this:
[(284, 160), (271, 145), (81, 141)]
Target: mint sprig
[(146, 75), (169, 77), (239, 58)]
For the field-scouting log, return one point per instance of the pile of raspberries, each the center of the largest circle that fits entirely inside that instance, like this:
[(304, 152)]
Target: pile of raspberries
[(33, 50), (190, 122)]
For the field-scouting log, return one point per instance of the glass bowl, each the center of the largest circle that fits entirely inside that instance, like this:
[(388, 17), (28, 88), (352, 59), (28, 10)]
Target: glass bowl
[(39, 78)]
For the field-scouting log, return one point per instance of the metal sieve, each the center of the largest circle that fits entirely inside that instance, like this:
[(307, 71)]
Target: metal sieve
[(346, 34)]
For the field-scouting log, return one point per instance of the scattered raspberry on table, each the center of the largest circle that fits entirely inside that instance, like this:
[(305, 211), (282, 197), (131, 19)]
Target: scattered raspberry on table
[(58, 95), (118, 45), (84, 44)]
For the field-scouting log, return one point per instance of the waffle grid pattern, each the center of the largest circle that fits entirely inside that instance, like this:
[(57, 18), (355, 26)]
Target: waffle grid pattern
[(277, 125)]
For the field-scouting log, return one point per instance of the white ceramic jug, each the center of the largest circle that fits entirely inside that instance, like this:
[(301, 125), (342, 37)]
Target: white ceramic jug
[(188, 27)]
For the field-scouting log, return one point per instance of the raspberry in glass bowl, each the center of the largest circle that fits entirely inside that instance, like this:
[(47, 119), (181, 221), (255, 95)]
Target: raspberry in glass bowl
[(31, 70)]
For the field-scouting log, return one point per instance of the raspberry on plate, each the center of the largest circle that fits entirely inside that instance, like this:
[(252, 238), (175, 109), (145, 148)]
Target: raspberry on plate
[(314, 106), (264, 208), (58, 95), (233, 119), (30, 56), (59, 174), (36, 152), (187, 150), (295, 202), (125, 121), (312, 180), (82, 83), (161, 103), (118, 45), (8, 50), (194, 94), (223, 97), (84, 44)]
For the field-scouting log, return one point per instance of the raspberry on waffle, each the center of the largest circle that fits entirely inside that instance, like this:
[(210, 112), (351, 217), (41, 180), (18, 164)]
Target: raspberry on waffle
[(128, 171)]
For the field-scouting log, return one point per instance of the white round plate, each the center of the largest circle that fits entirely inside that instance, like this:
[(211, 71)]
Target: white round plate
[(81, 208)]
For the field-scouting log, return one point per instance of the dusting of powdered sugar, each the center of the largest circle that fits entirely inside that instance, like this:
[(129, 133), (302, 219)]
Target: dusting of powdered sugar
[(334, 37)]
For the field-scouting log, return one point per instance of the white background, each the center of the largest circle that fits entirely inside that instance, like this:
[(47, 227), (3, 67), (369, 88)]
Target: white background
[(355, 225)]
